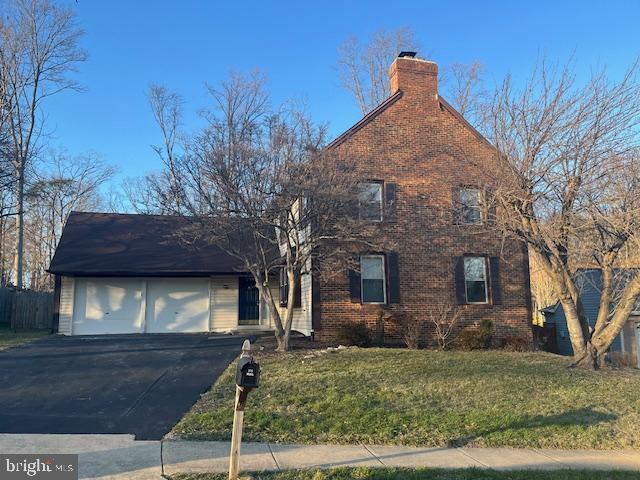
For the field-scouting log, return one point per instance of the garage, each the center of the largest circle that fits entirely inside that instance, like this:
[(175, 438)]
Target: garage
[(107, 305), (177, 305), (134, 274), (120, 305)]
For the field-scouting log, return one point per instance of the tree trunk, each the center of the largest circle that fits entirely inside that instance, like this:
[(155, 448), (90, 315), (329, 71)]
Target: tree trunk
[(576, 334), (592, 358), (19, 253), (283, 339), (283, 342)]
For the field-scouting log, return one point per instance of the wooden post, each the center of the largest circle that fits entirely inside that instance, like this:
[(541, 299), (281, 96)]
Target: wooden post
[(238, 419)]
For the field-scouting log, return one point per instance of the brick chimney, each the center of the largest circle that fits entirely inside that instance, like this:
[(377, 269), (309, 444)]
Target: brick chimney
[(414, 76)]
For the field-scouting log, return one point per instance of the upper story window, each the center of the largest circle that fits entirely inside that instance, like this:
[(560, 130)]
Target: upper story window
[(470, 202), (475, 280), (373, 288), (370, 205)]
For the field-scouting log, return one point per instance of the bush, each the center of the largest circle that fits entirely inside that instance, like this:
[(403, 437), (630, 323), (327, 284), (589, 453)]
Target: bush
[(409, 329), (473, 338), (516, 343), (469, 339), (354, 334)]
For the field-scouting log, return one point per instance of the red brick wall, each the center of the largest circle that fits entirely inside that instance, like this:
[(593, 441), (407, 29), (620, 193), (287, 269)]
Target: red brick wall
[(423, 147)]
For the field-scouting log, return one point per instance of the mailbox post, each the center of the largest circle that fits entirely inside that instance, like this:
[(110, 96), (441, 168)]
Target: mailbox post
[(247, 378)]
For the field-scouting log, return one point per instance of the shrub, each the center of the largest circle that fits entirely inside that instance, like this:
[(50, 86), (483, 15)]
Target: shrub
[(469, 339), (516, 343), (619, 359), (473, 338), (444, 319), (409, 329), (354, 334)]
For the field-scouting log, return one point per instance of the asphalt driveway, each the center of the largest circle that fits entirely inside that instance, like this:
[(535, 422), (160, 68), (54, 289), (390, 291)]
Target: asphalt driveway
[(140, 384)]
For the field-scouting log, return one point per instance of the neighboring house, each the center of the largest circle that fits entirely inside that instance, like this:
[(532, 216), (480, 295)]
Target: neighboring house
[(589, 281), (426, 175)]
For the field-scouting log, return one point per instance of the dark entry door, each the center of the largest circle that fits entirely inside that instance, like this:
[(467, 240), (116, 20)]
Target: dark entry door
[(249, 313)]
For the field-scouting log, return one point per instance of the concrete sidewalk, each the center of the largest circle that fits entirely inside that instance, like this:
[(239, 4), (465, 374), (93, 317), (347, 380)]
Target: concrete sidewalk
[(121, 457)]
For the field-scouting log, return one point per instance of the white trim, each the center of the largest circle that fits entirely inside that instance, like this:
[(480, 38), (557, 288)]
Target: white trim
[(486, 281), (384, 281)]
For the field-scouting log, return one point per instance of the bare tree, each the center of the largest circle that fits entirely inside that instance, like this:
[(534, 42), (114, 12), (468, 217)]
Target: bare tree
[(364, 71), (364, 68), (257, 184), (68, 184), (444, 319), (38, 50), (463, 86), (568, 186)]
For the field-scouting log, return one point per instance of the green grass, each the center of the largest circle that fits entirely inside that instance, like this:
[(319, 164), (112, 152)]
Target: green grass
[(426, 398), (367, 473), (11, 338)]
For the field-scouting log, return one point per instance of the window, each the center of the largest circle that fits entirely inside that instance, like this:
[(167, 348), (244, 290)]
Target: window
[(475, 279), (372, 278), (470, 206), (370, 201)]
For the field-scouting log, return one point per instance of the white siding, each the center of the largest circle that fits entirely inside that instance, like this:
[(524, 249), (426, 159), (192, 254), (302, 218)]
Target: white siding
[(66, 306), (224, 304), (301, 316)]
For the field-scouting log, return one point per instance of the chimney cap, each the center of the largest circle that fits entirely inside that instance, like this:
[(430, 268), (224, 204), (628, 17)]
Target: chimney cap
[(407, 54)]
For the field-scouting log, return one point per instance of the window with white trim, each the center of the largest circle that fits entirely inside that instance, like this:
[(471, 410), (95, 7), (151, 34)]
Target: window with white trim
[(475, 280), (370, 201), (372, 277), (470, 206)]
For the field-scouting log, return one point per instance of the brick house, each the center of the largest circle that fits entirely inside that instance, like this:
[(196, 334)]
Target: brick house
[(425, 169), (424, 180)]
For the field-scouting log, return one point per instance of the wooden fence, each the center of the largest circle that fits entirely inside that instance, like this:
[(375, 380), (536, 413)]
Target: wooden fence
[(26, 309)]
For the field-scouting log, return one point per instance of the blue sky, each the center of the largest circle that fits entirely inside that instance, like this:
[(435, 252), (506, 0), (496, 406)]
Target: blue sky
[(185, 43)]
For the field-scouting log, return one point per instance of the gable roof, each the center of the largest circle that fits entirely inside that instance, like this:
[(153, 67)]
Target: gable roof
[(366, 119), (390, 101), (110, 244)]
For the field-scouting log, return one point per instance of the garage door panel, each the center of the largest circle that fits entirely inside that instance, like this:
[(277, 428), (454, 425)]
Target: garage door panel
[(177, 305), (107, 306)]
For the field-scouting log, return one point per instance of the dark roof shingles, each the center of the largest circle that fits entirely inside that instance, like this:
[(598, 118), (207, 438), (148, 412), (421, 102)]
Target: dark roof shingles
[(127, 244)]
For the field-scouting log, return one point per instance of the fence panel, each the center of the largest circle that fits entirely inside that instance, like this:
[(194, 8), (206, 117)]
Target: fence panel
[(26, 309)]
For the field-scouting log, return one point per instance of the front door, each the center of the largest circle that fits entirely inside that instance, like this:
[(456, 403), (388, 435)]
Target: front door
[(249, 304)]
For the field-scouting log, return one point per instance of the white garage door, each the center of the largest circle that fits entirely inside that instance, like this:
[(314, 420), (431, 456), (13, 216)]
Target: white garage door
[(104, 305), (177, 305)]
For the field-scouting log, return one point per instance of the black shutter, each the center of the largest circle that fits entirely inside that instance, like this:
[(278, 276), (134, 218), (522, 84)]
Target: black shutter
[(390, 202), (393, 275), (297, 295), (354, 286), (496, 287), (315, 298), (456, 210), (284, 287), (490, 205), (459, 280)]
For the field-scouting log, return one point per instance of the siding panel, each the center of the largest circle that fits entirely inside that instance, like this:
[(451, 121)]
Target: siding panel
[(66, 305), (224, 303)]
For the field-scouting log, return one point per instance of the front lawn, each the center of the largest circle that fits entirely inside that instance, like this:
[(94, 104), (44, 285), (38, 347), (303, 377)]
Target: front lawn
[(367, 473), (11, 338), (426, 398)]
